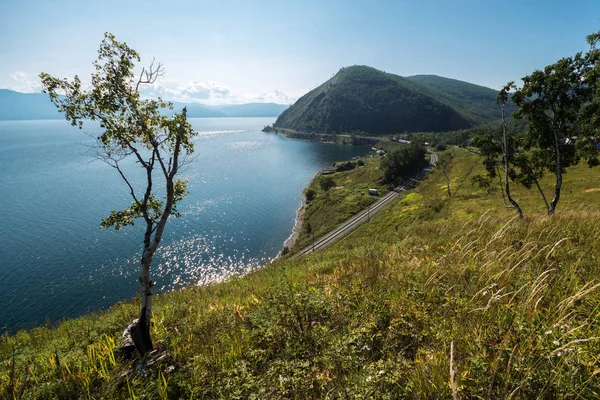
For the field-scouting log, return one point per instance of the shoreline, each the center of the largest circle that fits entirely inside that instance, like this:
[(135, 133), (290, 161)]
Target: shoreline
[(298, 223)]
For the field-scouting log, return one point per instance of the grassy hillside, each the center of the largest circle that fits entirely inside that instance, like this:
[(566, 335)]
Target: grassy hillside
[(434, 296), (331, 208), (361, 98)]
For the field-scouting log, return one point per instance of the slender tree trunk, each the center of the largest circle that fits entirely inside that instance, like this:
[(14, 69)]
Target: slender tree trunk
[(141, 331), (502, 187), (447, 175), (558, 184), (506, 180), (537, 184)]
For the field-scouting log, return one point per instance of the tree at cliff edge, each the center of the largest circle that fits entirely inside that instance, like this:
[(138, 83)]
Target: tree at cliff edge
[(136, 129)]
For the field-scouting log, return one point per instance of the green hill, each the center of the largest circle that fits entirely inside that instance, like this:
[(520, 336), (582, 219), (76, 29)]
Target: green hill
[(361, 98), (476, 103)]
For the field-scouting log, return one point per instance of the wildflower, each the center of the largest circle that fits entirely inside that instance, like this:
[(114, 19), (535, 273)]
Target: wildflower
[(559, 354), (381, 372), (548, 332), (369, 378), (556, 343)]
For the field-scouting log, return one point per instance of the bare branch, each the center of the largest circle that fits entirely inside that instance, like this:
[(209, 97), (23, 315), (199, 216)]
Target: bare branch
[(150, 75), (131, 191)]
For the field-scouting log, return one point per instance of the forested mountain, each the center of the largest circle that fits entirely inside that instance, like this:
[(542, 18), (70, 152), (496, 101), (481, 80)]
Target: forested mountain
[(20, 106), (196, 110), (15, 106), (476, 103), (252, 109), (361, 98)]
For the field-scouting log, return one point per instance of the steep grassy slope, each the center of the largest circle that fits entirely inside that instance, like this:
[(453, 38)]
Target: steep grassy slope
[(361, 98), (431, 284), (349, 196), (477, 103)]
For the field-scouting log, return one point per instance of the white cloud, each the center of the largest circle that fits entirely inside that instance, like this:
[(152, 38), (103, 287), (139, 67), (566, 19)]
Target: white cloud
[(211, 93), (21, 83)]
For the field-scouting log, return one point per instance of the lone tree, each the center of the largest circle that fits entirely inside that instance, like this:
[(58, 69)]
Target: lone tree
[(327, 183), (445, 163), (551, 100), (132, 129)]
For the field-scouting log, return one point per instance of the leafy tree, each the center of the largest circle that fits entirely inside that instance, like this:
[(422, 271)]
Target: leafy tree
[(327, 183), (445, 163), (404, 162), (132, 129), (504, 160), (347, 166), (308, 227), (310, 194), (551, 100), (587, 144)]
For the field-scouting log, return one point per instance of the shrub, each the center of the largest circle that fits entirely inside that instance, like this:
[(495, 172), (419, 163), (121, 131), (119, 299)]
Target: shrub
[(347, 166), (326, 183)]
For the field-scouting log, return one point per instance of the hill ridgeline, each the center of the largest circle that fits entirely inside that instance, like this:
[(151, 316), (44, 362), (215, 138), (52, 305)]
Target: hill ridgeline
[(361, 99)]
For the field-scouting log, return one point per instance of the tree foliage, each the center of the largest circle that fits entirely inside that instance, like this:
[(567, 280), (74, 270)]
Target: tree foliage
[(326, 183), (403, 163), (560, 105), (445, 163), (132, 128)]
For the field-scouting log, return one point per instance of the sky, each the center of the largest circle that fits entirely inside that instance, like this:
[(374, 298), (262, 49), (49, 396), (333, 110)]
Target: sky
[(227, 52)]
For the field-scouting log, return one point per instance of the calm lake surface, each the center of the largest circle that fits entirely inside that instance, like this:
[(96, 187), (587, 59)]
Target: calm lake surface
[(245, 187)]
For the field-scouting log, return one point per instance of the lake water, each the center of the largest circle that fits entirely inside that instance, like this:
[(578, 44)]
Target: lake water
[(245, 187)]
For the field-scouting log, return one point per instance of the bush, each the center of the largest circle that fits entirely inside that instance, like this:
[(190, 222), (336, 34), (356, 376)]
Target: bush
[(310, 194), (347, 166), (360, 163), (326, 183)]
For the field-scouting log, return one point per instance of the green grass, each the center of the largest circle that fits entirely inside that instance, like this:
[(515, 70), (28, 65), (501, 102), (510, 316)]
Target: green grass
[(350, 196), (373, 316)]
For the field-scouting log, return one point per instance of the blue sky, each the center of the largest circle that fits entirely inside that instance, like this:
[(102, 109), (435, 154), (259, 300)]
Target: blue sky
[(240, 51)]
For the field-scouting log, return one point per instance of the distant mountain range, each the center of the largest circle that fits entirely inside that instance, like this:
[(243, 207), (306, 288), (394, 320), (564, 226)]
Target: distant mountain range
[(21, 106), (364, 99)]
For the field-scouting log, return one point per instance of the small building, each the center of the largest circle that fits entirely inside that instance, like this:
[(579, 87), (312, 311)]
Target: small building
[(328, 170), (372, 192)]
